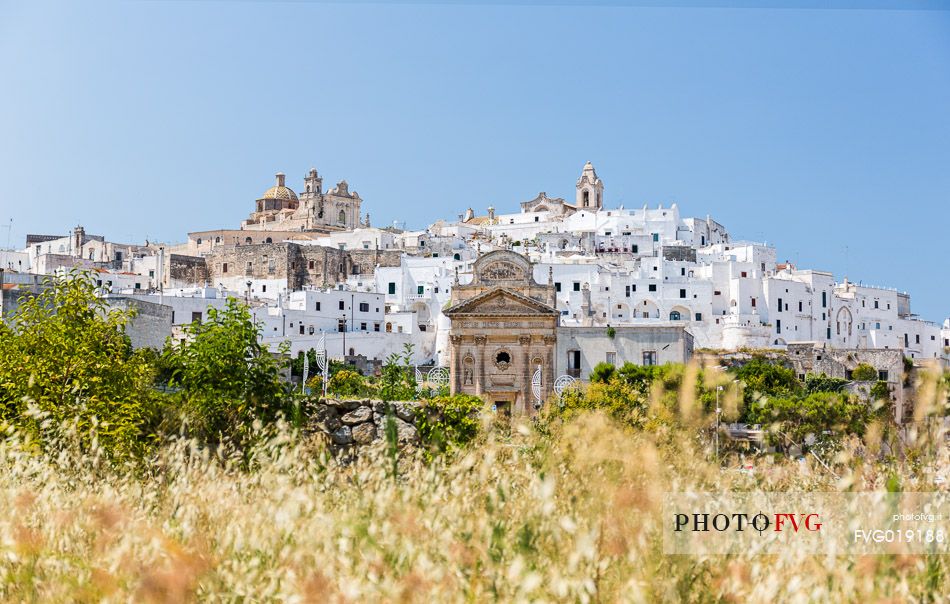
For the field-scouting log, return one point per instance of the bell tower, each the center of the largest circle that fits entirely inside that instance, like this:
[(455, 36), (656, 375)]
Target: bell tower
[(590, 189)]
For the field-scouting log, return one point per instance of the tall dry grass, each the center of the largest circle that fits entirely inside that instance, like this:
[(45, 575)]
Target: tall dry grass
[(567, 516)]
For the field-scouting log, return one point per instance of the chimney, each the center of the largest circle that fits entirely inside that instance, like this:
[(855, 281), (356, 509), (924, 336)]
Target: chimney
[(280, 179), (491, 213)]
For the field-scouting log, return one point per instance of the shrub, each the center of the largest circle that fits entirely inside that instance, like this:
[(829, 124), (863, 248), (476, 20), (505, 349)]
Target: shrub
[(346, 382), (823, 383), (602, 372), (447, 423), (65, 353), (225, 378), (864, 373)]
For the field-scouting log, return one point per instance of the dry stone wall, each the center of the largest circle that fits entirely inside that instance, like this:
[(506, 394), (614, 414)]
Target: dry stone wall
[(348, 425)]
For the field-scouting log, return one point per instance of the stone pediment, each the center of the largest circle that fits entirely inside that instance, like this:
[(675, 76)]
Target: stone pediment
[(500, 302)]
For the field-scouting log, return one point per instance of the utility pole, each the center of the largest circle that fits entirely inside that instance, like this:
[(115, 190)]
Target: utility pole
[(344, 337)]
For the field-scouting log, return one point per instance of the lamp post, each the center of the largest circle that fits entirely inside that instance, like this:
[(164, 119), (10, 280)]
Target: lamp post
[(718, 414), (344, 337), (247, 293)]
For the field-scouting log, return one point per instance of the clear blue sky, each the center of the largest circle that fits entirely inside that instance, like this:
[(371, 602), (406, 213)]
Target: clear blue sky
[(824, 132)]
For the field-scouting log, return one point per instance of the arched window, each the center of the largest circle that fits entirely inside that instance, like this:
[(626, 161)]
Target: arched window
[(199, 240), (586, 198), (503, 357), (247, 240), (457, 256), (342, 219), (268, 240), (217, 240), (389, 327), (352, 352), (675, 315)]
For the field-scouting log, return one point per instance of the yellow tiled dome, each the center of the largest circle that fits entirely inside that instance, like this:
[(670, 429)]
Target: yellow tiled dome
[(281, 193)]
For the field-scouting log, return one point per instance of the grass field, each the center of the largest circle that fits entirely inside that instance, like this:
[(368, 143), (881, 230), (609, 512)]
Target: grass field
[(522, 515)]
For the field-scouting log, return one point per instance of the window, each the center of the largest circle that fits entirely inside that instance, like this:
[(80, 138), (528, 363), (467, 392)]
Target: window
[(577, 286), (675, 315), (557, 286), (342, 305), (649, 357), (173, 317), (744, 274), (682, 293), (699, 316), (656, 236), (824, 299), (340, 325), (362, 326), (779, 305), (196, 316), (310, 265), (717, 293), (151, 273), (503, 357), (799, 306), (683, 271), (301, 329), (778, 326), (389, 327), (652, 287), (634, 249), (263, 288), (611, 358), (364, 306), (224, 268), (535, 218), (918, 338), (456, 256), (317, 306), (247, 240), (199, 240), (375, 326), (420, 289), (392, 288), (139, 286), (876, 304), (828, 334), (628, 291), (882, 375), (342, 217)]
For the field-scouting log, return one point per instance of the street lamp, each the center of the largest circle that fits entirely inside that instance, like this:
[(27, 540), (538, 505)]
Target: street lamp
[(718, 414), (344, 337)]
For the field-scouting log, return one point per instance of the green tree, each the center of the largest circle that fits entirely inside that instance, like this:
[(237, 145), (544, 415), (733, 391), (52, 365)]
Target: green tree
[(864, 373), (823, 383), (398, 379), (446, 423), (224, 377), (346, 382), (65, 351), (826, 415), (602, 373)]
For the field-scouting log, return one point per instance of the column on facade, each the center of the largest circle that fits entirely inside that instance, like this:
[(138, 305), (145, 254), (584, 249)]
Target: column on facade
[(550, 345), (480, 373), (527, 397), (456, 363)]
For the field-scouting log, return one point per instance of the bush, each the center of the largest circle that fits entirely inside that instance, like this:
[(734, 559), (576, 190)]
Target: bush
[(447, 423), (346, 382), (864, 373), (823, 383), (602, 372), (65, 354), (224, 377), (880, 391)]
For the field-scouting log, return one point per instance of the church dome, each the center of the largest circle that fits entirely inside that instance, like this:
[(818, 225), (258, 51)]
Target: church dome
[(280, 192)]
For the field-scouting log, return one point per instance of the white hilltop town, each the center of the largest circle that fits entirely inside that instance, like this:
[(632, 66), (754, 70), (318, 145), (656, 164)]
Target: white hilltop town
[(491, 296)]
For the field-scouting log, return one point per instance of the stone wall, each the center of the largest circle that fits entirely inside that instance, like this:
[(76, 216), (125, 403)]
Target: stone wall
[(300, 265), (348, 425), (183, 271), (151, 325)]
